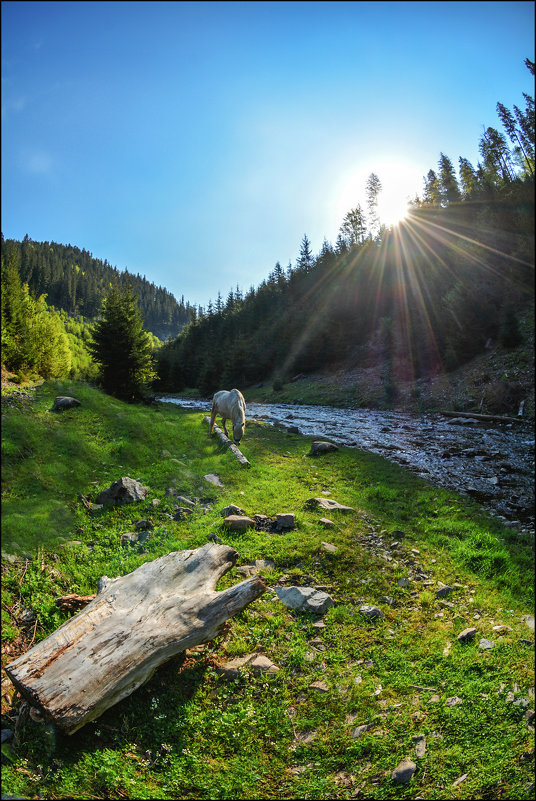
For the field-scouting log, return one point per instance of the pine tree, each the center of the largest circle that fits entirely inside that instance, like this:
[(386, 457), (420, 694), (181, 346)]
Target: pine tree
[(373, 189), (468, 179), (448, 185), (515, 135), (121, 347), (305, 259), (353, 229), (431, 194)]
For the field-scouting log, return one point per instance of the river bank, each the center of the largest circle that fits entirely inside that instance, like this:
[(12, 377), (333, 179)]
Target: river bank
[(491, 461)]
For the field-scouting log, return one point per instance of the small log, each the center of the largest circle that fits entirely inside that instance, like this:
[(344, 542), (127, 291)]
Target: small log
[(135, 623), (227, 442), (73, 602), (475, 416)]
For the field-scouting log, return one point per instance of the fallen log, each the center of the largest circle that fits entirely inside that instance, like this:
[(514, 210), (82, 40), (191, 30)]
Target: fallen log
[(496, 418), (227, 442), (135, 623)]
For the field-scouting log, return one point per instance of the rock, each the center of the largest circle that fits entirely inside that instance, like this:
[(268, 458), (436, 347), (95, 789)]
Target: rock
[(305, 599), (155, 502), (403, 772), (7, 734), (182, 513), (528, 620), (502, 629), (326, 523), (370, 611), (129, 538), (126, 490), (260, 665), (359, 731), (485, 644), (419, 741), (185, 501), (321, 686), (143, 525), (264, 564), (238, 523), (443, 590), (453, 701), (466, 635), (214, 538), (403, 582), (62, 402), (328, 504), (253, 570), (327, 546), (232, 509), (213, 478), (318, 448), (285, 521), (460, 779)]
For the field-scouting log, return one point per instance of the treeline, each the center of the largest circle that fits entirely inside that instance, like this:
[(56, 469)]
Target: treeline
[(424, 296), (74, 281), (34, 340)]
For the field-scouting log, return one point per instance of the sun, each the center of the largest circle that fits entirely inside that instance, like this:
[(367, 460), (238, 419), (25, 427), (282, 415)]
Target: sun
[(392, 207), (401, 180)]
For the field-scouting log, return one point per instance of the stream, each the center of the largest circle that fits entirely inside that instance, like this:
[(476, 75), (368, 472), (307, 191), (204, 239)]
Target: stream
[(493, 462)]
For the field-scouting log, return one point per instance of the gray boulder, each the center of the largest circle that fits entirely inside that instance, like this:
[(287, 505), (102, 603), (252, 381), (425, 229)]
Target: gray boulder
[(370, 611), (285, 520), (305, 599), (126, 490), (403, 772), (62, 402), (318, 448), (328, 504), (232, 509), (238, 522)]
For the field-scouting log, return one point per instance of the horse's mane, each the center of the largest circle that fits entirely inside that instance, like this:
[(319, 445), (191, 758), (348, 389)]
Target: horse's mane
[(238, 406)]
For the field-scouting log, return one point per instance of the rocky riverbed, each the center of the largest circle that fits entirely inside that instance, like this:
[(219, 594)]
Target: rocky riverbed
[(491, 461)]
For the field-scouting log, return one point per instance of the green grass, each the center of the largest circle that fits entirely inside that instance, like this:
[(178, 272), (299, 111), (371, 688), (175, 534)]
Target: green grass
[(192, 733)]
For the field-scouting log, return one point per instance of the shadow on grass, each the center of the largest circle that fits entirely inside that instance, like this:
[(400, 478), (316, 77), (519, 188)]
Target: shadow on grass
[(153, 715)]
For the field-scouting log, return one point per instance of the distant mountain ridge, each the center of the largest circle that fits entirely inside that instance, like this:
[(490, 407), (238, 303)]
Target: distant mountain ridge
[(76, 282)]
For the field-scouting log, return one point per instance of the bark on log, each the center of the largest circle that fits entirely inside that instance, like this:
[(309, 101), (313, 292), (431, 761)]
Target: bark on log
[(134, 624), (475, 416), (227, 442)]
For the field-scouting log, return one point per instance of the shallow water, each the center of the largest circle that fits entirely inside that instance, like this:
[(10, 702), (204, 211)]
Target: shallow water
[(492, 462)]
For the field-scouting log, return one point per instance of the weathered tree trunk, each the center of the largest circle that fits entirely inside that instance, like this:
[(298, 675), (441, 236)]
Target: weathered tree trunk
[(226, 441), (134, 624), (476, 416)]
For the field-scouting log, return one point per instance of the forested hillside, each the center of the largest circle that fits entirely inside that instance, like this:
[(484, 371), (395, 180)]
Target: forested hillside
[(77, 283), (425, 296)]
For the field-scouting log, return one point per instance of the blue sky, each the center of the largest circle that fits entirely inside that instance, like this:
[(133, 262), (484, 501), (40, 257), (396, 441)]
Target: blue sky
[(196, 143)]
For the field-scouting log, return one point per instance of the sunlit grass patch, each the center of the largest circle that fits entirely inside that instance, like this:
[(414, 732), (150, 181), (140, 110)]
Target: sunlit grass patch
[(191, 732)]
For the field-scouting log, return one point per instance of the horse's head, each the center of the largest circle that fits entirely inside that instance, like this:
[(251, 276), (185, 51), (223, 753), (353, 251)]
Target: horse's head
[(238, 432)]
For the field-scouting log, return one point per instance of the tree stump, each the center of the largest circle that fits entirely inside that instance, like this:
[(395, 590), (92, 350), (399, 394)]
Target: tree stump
[(135, 623)]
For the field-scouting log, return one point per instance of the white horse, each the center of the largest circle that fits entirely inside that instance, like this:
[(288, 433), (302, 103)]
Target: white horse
[(230, 405)]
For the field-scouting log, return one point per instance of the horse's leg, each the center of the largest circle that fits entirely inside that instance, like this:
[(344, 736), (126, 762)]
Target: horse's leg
[(223, 421), (212, 419)]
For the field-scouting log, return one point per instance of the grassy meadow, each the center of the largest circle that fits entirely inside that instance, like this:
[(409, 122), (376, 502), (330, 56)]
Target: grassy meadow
[(192, 732)]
